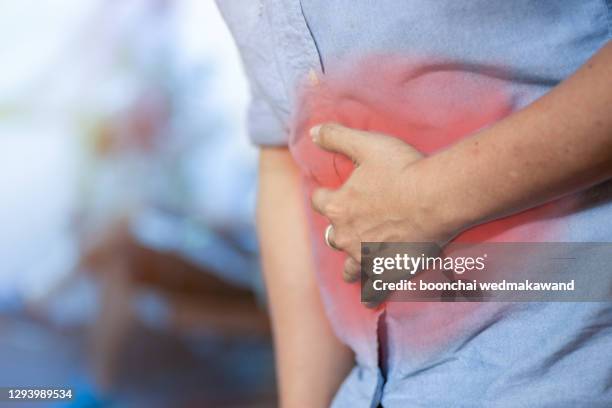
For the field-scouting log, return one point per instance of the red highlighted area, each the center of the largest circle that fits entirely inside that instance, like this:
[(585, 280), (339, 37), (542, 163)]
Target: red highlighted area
[(427, 103)]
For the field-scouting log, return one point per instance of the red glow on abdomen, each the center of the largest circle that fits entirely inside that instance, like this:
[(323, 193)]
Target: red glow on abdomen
[(428, 105)]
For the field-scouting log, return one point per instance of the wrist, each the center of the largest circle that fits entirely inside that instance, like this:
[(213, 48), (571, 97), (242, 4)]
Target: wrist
[(437, 208)]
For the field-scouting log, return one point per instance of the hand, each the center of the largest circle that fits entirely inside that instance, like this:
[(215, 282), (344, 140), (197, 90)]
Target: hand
[(384, 198)]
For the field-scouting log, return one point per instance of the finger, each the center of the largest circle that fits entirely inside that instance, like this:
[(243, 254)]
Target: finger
[(352, 270), (356, 144), (320, 200), (353, 248), (340, 139), (370, 297), (347, 241)]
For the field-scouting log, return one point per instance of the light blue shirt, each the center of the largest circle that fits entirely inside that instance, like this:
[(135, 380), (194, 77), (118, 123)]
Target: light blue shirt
[(504, 354)]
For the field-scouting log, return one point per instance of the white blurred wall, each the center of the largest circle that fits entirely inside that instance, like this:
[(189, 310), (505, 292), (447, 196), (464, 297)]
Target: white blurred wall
[(57, 62)]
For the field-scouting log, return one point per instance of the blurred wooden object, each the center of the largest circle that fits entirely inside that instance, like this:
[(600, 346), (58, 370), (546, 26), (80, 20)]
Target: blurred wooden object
[(197, 298)]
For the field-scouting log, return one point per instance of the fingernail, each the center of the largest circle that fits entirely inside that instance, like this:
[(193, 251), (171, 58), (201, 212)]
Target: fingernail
[(314, 133)]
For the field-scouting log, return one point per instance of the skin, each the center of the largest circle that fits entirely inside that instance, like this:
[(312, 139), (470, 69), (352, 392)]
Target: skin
[(560, 144), (311, 362)]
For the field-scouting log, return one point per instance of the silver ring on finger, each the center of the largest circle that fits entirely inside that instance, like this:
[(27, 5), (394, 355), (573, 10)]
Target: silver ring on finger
[(327, 237)]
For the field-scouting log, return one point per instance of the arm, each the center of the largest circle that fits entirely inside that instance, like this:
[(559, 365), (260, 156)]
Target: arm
[(311, 362), (558, 145)]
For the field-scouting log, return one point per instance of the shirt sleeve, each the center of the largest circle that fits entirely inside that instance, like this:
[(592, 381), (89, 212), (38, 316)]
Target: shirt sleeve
[(264, 126), (268, 110)]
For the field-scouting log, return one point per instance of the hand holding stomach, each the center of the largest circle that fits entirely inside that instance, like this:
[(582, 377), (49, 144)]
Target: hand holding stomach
[(364, 135), (380, 201)]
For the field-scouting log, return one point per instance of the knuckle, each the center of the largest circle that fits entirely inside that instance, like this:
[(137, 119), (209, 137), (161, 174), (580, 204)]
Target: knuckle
[(319, 200), (332, 209), (328, 130)]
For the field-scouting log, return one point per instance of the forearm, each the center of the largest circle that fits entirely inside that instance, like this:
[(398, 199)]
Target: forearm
[(560, 144), (311, 362)]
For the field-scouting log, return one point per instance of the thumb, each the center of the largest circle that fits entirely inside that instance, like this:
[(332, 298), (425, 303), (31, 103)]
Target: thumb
[(340, 139), (357, 144)]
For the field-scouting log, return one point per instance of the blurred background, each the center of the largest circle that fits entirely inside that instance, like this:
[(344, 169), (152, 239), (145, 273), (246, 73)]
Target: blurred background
[(128, 268)]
